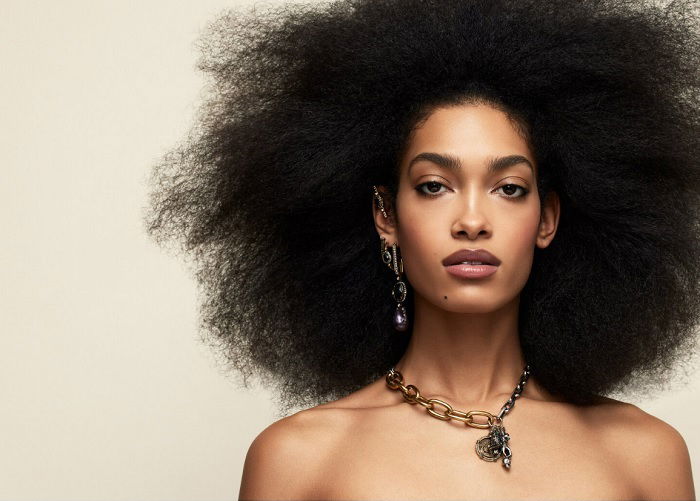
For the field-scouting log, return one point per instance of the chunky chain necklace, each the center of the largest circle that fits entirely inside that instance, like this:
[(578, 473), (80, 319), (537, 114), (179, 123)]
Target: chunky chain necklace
[(489, 448)]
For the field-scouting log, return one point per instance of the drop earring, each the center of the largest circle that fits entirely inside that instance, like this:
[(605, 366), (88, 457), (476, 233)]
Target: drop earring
[(398, 292), (394, 262)]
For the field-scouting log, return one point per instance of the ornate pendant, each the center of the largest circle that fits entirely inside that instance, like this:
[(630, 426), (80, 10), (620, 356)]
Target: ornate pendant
[(495, 445)]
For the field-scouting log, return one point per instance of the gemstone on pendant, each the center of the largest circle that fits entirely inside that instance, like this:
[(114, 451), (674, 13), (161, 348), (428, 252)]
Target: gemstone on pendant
[(400, 318), (398, 292), (386, 257)]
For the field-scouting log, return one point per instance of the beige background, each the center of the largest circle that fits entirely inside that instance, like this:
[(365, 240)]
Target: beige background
[(106, 392)]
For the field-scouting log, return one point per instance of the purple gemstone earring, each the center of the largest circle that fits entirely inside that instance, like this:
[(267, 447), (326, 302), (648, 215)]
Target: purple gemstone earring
[(398, 292), (394, 262)]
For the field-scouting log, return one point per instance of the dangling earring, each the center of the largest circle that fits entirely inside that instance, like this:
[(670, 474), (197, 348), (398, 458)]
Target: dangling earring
[(394, 262), (398, 292)]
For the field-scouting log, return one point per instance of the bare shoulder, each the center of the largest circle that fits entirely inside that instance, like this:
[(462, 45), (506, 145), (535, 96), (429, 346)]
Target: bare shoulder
[(286, 460), (282, 459), (289, 458), (654, 452)]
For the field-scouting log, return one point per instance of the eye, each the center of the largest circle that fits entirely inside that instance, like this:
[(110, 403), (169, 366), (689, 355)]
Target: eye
[(509, 188), (431, 185), (434, 186)]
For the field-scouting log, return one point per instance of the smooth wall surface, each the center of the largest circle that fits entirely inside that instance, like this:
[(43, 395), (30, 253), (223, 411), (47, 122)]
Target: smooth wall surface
[(106, 391)]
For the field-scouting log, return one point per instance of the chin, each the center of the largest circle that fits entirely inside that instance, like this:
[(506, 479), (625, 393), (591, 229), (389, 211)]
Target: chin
[(474, 309), (462, 305)]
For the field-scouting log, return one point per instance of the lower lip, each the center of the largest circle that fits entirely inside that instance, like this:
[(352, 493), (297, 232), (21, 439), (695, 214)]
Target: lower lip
[(471, 270)]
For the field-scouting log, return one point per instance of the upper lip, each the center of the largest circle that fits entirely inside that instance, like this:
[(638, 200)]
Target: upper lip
[(471, 255)]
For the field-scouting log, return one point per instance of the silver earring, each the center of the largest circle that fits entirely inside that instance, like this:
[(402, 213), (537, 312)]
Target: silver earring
[(380, 202), (398, 292)]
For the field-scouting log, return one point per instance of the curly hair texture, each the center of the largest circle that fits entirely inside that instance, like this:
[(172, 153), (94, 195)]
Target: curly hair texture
[(309, 105)]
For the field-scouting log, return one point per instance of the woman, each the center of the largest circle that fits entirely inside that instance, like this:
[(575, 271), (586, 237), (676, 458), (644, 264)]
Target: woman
[(446, 230)]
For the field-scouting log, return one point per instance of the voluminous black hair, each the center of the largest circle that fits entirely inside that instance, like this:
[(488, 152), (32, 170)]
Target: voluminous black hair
[(309, 105)]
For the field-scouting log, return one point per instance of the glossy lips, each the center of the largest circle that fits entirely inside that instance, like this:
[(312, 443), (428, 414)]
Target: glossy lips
[(453, 264)]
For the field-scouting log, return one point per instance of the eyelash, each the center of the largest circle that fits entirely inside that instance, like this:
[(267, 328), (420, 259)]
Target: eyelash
[(524, 190)]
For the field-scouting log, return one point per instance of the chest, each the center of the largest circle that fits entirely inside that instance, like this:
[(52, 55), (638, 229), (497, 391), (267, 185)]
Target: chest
[(426, 458)]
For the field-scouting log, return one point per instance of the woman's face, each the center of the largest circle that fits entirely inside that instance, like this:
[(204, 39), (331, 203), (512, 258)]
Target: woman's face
[(449, 199)]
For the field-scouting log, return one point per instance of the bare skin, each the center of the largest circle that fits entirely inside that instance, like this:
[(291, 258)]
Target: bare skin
[(465, 350), (372, 445)]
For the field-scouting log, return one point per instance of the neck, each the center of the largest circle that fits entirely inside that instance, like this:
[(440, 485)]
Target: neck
[(467, 359)]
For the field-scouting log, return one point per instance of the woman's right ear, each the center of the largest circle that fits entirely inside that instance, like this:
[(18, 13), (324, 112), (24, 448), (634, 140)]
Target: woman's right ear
[(382, 212)]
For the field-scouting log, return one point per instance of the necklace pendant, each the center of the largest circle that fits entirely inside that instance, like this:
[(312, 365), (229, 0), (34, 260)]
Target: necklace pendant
[(495, 445)]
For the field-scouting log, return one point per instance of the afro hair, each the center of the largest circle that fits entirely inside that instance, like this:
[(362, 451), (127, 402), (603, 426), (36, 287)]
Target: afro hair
[(309, 105)]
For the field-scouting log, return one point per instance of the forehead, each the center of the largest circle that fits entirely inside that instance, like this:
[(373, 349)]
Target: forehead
[(471, 132)]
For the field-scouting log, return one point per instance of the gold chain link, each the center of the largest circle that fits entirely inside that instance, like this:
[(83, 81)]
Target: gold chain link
[(412, 395)]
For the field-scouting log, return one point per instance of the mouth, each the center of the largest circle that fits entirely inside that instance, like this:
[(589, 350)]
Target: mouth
[(472, 258)]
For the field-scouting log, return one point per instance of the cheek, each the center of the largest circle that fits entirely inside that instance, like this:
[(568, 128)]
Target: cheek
[(422, 241), (520, 232), (521, 229)]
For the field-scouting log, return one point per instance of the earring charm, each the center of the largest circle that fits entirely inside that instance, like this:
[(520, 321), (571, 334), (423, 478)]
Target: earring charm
[(399, 290)]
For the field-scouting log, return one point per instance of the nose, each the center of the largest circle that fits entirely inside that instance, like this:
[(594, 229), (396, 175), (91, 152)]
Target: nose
[(471, 219)]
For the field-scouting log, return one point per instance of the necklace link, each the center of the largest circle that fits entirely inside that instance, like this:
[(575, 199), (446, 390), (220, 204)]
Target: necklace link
[(431, 410), (490, 418)]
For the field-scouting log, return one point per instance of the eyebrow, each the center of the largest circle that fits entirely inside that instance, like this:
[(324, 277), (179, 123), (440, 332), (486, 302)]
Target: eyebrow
[(451, 162)]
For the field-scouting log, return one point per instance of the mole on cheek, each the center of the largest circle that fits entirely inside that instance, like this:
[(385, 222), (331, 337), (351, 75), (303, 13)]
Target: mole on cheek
[(445, 297)]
